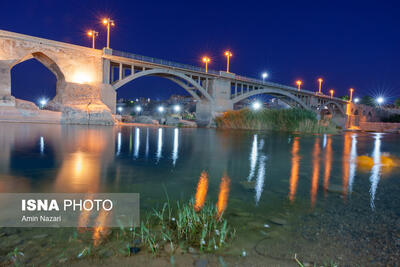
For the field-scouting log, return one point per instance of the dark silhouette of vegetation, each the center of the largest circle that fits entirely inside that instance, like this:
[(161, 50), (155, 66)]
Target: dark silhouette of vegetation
[(392, 118), (368, 101)]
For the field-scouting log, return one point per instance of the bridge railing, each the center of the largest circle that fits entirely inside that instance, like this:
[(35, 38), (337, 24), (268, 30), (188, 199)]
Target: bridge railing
[(162, 62)]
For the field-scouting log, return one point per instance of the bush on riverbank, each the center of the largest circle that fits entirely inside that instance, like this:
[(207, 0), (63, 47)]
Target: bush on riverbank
[(289, 120)]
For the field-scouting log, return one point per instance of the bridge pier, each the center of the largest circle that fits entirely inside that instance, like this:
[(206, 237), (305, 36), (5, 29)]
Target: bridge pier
[(6, 99)]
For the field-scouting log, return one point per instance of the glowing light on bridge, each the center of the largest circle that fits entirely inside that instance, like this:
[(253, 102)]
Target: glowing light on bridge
[(206, 60), (93, 34), (320, 80), (82, 77), (120, 109), (161, 109), (264, 76), (380, 100), (256, 105), (351, 94), (108, 22), (228, 55), (299, 83), (331, 92), (356, 100), (138, 109)]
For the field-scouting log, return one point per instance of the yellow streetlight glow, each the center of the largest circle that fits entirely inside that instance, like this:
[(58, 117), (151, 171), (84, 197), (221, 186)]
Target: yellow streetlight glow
[(299, 83), (351, 94), (331, 91), (93, 34), (206, 60), (108, 22), (228, 54), (320, 85)]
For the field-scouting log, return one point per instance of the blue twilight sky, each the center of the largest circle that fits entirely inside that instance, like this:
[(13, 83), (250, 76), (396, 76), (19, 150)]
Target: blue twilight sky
[(348, 43)]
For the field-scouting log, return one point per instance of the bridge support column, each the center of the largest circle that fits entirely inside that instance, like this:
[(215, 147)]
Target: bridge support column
[(5, 85), (108, 96), (221, 92), (81, 104)]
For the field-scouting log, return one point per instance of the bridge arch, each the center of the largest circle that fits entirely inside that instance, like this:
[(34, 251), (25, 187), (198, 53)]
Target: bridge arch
[(270, 91), (46, 61), (178, 78), (330, 103)]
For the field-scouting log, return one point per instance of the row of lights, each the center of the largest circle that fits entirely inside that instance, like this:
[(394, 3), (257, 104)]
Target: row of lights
[(160, 109)]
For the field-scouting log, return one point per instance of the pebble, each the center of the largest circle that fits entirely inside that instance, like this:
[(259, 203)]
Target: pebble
[(134, 250), (278, 221)]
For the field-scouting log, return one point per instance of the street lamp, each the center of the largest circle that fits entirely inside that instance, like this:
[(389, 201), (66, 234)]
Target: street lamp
[(177, 108), (108, 22), (206, 60), (351, 94), (120, 109), (380, 100), (356, 100), (320, 85), (264, 76), (256, 105), (331, 91), (138, 109), (299, 83), (93, 34), (228, 54), (161, 109)]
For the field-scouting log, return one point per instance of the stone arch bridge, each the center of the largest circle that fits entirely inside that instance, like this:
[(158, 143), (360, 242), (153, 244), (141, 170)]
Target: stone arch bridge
[(87, 81)]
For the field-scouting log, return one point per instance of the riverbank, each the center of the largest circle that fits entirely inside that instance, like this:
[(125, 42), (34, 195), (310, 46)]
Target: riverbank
[(287, 120)]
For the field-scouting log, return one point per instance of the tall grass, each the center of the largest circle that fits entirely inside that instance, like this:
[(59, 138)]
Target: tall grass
[(288, 120)]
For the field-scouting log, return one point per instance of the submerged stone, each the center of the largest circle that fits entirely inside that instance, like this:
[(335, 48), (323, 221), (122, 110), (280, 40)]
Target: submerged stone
[(134, 250), (278, 221)]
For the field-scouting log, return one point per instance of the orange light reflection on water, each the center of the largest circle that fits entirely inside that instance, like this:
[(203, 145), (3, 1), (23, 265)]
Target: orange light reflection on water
[(328, 163), (223, 194), (294, 174), (315, 173), (201, 192)]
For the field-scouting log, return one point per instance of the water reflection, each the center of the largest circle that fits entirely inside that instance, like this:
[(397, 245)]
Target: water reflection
[(315, 171), (294, 173), (119, 143), (376, 169), (175, 146), (147, 143), (137, 143), (324, 141), (346, 163), (41, 144), (253, 158), (353, 161), (260, 178), (159, 144), (328, 163)]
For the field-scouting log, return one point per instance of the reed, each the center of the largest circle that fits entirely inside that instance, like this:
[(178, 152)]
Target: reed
[(288, 120)]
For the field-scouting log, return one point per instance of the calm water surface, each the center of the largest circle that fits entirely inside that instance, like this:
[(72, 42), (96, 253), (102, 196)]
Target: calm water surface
[(289, 193)]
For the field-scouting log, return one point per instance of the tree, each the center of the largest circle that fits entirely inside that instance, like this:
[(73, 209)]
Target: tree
[(367, 100), (346, 97), (397, 103)]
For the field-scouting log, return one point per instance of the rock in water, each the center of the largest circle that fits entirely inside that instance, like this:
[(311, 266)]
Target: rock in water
[(278, 221), (134, 250), (333, 188)]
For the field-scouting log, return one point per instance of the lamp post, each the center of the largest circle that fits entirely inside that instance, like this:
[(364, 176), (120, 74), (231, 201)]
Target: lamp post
[(264, 76), (320, 85), (228, 54), (93, 34), (351, 94), (206, 60), (108, 22), (331, 91), (299, 83)]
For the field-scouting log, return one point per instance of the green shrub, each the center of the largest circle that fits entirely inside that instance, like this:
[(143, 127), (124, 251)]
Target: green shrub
[(289, 120)]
